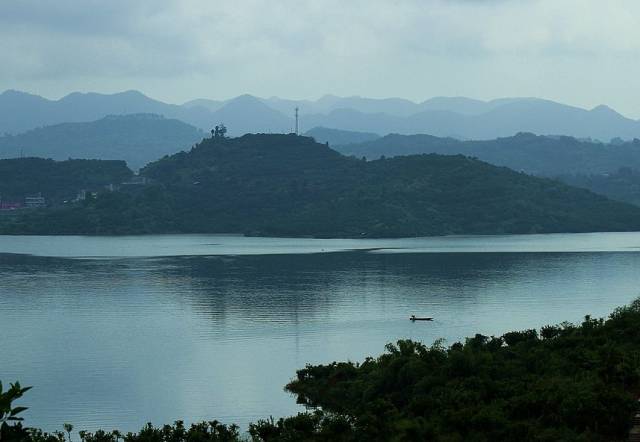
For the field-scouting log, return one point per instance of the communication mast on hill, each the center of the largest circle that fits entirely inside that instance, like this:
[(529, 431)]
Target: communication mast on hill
[(296, 120)]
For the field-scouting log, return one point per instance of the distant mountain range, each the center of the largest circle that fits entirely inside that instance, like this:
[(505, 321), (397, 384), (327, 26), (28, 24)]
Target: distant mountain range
[(20, 111), (336, 137), (501, 119), (137, 139), (457, 117)]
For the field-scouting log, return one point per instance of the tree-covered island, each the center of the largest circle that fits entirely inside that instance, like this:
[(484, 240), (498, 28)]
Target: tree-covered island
[(288, 185)]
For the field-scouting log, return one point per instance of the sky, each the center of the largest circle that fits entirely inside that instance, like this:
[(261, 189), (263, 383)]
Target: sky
[(579, 52)]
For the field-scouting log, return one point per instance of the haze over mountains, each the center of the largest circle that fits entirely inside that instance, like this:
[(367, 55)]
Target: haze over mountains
[(132, 127), (337, 137), (534, 154), (136, 138), (456, 117)]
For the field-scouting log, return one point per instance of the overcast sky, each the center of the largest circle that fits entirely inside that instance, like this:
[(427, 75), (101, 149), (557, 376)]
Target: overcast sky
[(581, 52)]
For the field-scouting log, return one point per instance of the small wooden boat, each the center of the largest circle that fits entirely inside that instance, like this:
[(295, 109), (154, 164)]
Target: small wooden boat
[(415, 318)]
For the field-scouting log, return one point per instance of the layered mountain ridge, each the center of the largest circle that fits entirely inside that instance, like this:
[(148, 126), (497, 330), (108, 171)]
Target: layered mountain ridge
[(458, 117)]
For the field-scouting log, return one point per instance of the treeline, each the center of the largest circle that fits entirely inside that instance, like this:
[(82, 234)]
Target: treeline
[(622, 184), (287, 185), (612, 170), (57, 180), (560, 383)]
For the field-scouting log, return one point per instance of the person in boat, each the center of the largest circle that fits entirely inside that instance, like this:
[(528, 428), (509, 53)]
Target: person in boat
[(414, 318)]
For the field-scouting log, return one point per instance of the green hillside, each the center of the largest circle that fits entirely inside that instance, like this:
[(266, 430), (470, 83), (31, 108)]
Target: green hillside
[(537, 155), (291, 185), (622, 185), (57, 180)]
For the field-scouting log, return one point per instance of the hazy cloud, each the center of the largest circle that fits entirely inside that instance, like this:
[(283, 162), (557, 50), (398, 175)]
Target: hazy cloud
[(580, 51)]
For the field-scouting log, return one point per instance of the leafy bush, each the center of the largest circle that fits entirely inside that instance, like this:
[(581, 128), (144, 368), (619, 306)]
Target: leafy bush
[(569, 383)]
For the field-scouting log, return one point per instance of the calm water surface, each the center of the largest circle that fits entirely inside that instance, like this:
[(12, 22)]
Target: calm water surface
[(115, 332)]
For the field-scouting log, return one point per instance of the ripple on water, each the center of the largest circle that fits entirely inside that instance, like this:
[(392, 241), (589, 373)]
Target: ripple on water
[(119, 342)]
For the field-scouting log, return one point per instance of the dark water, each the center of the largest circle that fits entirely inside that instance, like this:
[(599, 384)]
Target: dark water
[(137, 337)]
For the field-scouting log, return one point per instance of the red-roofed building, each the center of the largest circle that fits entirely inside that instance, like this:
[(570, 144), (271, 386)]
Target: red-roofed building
[(6, 205)]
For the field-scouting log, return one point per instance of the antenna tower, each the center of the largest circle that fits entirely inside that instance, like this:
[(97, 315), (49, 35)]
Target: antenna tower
[(296, 120)]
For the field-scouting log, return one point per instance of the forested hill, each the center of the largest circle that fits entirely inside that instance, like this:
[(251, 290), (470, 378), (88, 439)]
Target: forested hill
[(137, 139), (538, 155), (57, 180), (291, 185), (622, 185)]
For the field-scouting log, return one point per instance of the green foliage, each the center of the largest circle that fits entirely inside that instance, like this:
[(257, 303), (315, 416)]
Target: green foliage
[(219, 131), (622, 185), (9, 412), (57, 180), (612, 170), (213, 431), (316, 427), (18, 433), (287, 185), (568, 383)]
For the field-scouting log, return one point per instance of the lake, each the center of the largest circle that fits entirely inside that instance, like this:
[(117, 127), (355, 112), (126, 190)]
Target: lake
[(113, 332)]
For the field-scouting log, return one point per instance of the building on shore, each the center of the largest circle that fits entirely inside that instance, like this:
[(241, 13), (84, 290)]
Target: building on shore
[(8, 205), (34, 201), (136, 180)]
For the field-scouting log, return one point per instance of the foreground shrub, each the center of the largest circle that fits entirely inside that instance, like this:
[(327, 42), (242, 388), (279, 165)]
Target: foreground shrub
[(565, 383)]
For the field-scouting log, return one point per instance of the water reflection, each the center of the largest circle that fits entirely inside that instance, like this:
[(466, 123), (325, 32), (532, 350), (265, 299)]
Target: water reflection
[(119, 342)]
